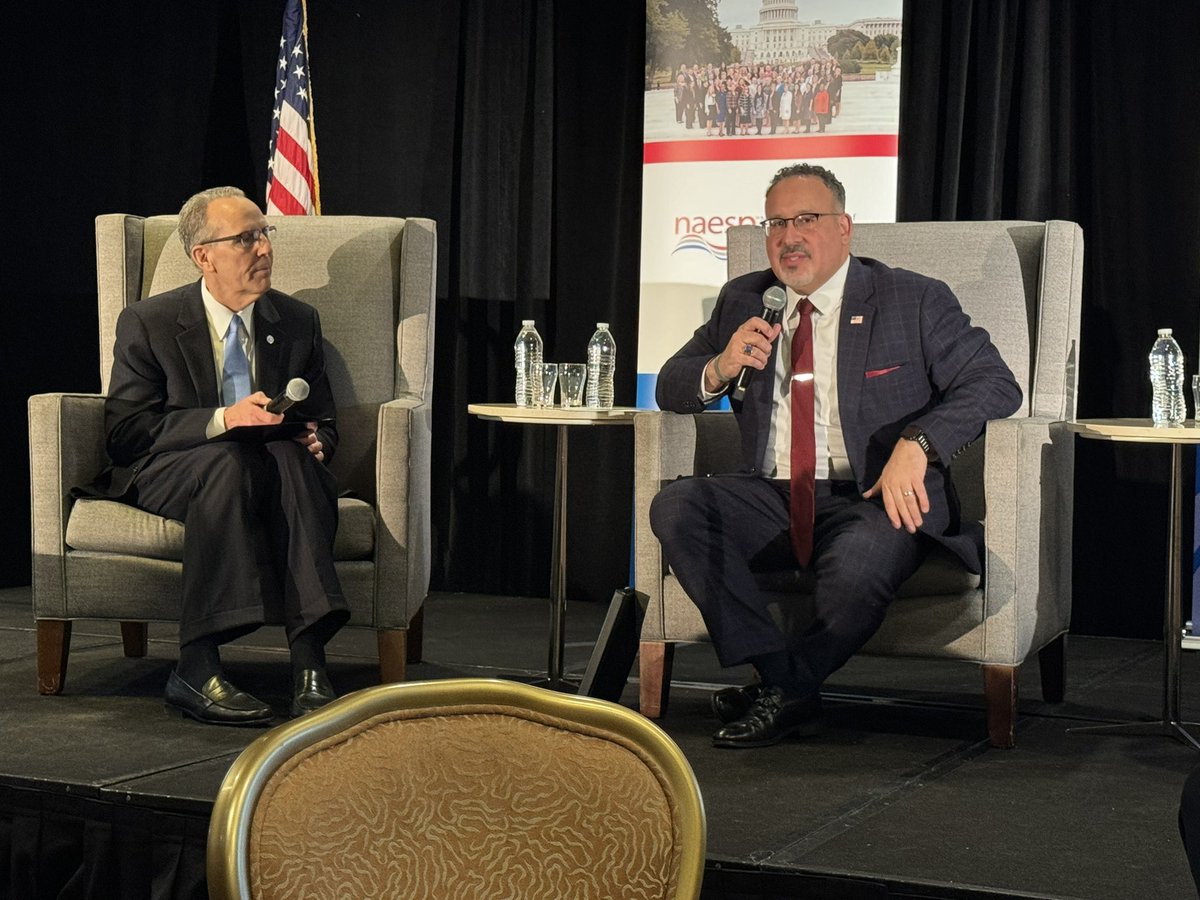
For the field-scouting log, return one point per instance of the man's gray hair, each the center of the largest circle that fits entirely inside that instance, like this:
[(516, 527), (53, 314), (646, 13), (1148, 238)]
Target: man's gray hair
[(807, 170), (193, 215)]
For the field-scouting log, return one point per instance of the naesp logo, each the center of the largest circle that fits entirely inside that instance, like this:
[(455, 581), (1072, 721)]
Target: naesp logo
[(706, 234)]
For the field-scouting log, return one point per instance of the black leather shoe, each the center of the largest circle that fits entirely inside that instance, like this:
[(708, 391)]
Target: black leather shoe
[(770, 719), (311, 690), (217, 703), (731, 703)]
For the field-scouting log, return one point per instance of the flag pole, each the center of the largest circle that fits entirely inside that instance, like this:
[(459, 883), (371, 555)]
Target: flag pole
[(312, 111)]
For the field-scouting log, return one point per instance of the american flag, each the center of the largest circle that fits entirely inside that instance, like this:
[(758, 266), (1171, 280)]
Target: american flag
[(292, 185)]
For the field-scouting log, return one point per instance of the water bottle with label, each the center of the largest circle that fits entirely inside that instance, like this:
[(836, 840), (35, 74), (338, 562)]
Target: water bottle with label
[(601, 363), (528, 352), (1168, 406)]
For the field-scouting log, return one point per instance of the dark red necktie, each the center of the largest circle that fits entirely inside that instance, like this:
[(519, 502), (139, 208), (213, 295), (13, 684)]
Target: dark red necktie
[(804, 446)]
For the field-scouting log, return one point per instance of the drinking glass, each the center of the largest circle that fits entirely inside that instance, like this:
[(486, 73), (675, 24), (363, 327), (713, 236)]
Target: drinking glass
[(572, 378), (1196, 400), (545, 377)]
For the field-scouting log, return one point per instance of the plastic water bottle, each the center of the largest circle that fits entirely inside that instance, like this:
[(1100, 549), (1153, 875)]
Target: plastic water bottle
[(601, 363), (528, 352), (1166, 380)]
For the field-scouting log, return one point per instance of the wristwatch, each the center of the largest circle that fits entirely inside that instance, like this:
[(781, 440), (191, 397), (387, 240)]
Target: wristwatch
[(915, 434)]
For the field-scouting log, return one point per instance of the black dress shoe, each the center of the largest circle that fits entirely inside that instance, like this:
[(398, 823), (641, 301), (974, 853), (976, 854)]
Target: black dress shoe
[(217, 703), (770, 719), (311, 690), (731, 703)]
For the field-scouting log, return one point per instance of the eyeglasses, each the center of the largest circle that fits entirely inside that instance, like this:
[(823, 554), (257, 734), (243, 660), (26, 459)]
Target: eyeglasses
[(247, 240), (803, 222)]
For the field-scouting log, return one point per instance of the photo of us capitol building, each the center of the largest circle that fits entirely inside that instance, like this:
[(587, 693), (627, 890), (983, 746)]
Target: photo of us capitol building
[(780, 36)]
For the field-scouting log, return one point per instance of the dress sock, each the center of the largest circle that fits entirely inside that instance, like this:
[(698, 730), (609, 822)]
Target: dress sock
[(777, 670), (199, 660), (308, 651)]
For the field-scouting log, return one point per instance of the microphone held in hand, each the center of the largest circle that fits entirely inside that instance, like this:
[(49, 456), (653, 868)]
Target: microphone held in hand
[(774, 302), (297, 390)]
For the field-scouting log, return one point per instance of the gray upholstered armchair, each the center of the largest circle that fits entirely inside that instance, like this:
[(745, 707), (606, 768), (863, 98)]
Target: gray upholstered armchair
[(372, 281), (1022, 281)]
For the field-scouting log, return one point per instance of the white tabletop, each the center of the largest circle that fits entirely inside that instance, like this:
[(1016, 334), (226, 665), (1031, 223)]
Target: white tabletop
[(554, 415), (1137, 431)]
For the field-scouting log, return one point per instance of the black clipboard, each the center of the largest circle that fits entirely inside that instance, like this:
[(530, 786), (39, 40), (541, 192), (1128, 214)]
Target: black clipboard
[(261, 434)]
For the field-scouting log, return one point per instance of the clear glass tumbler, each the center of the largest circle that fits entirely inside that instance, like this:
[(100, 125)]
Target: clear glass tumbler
[(572, 377), (545, 377)]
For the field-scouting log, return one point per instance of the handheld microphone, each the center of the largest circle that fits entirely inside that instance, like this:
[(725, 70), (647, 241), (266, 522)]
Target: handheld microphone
[(296, 390), (774, 302)]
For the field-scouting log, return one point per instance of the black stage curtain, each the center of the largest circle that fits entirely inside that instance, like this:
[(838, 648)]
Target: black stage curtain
[(516, 125), (66, 846), (1023, 109)]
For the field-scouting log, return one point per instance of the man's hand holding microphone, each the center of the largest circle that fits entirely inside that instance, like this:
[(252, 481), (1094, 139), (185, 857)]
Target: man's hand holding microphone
[(259, 409), (749, 348)]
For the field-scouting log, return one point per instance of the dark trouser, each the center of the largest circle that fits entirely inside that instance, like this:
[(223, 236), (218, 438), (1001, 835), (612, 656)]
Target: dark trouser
[(718, 531), (258, 544)]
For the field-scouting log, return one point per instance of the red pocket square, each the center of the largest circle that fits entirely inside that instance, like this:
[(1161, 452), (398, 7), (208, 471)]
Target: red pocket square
[(875, 373)]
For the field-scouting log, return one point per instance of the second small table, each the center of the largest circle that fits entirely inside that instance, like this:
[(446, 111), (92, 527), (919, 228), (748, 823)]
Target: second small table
[(1144, 431), (563, 419)]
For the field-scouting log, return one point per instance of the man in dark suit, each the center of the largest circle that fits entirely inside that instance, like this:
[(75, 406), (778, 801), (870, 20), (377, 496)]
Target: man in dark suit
[(872, 382), (189, 437)]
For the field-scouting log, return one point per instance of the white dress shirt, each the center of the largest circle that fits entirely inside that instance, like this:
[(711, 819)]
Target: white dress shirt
[(832, 460)]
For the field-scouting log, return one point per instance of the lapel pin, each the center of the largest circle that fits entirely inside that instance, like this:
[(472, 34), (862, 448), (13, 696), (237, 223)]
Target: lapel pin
[(854, 320), (271, 337)]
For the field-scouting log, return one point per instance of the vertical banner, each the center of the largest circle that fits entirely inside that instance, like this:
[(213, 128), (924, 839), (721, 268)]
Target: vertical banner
[(735, 90)]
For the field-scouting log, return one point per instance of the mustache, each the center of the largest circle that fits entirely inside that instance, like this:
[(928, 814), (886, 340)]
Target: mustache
[(795, 248)]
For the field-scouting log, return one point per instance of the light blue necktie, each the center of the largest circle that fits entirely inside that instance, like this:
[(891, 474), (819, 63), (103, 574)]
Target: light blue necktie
[(235, 378)]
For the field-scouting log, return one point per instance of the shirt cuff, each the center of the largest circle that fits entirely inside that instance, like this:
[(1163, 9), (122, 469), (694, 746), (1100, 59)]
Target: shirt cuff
[(705, 396), (216, 425)]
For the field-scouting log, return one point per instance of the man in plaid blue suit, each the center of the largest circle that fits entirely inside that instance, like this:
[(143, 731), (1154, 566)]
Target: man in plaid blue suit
[(900, 381)]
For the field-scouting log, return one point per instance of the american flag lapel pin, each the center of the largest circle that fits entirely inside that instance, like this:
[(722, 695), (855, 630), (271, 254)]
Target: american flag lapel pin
[(856, 320)]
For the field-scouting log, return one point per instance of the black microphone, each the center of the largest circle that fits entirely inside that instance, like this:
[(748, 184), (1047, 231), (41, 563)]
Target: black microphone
[(296, 390), (774, 302)]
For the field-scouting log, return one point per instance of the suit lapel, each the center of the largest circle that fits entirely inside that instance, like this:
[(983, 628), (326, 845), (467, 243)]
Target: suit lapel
[(760, 393), (195, 345), (269, 341), (854, 338)]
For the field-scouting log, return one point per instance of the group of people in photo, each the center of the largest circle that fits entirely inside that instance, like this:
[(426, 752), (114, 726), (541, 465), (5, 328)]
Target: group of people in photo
[(726, 100)]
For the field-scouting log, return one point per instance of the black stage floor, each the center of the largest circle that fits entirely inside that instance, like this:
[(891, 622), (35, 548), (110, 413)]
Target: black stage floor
[(900, 796)]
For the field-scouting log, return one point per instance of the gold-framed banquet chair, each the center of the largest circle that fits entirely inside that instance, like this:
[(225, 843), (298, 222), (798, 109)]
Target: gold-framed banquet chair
[(470, 788)]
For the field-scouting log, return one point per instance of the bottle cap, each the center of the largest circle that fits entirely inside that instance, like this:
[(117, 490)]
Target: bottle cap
[(601, 324), (527, 323), (1164, 332)]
